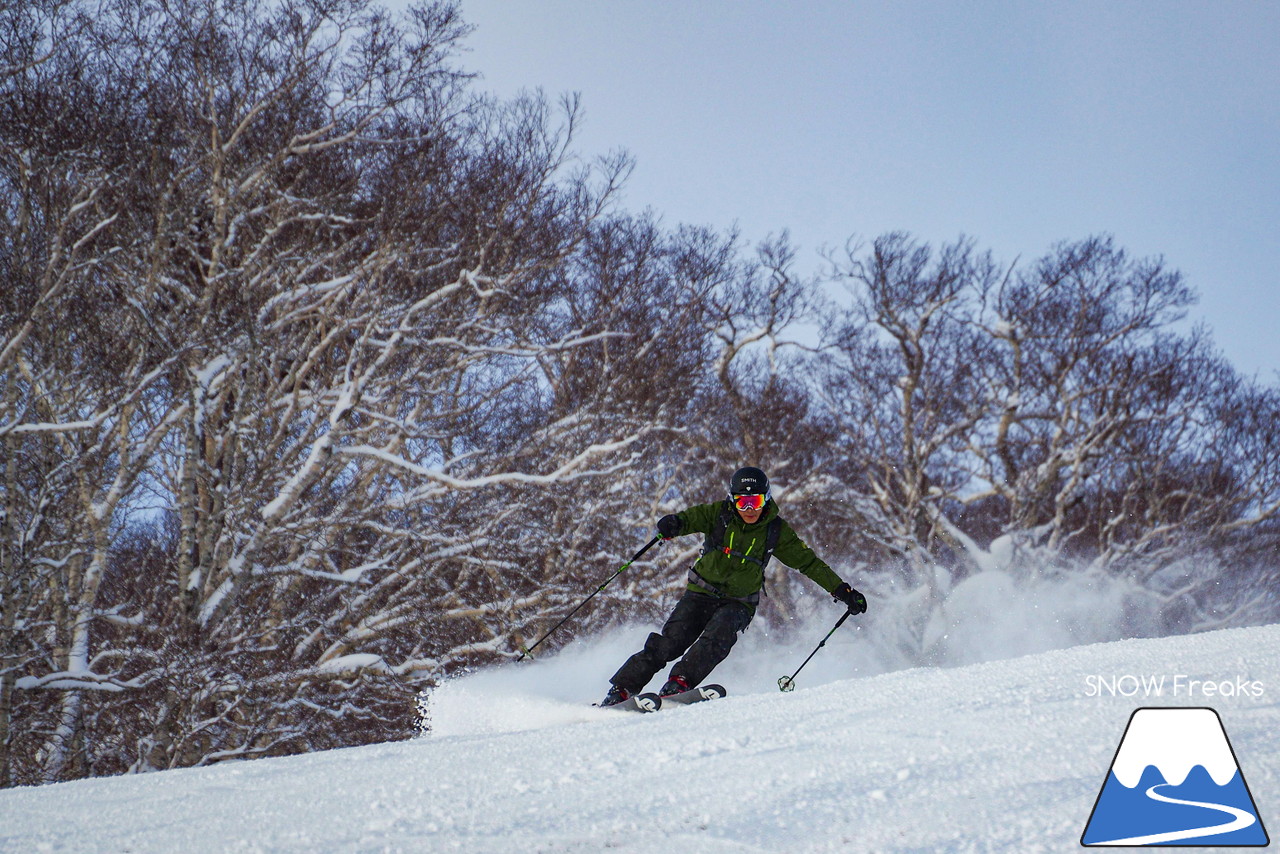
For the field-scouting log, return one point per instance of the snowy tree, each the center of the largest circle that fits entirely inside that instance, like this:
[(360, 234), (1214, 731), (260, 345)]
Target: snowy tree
[(906, 386), (278, 293), (1046, 419)]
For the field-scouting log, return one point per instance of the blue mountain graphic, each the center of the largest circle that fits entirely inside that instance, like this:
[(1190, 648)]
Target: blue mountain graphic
[(1124, 813)]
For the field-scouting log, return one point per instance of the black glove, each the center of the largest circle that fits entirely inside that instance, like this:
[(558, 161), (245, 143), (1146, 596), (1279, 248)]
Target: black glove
[(669, 526), (855, 601)]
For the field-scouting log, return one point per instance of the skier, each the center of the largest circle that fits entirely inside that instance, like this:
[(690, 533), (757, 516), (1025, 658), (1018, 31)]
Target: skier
[(740, 535)]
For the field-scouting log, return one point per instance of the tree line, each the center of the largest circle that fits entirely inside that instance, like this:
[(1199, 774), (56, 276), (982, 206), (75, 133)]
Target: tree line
[(324, 375)]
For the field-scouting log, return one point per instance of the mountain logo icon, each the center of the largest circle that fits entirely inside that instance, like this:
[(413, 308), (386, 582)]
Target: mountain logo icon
[(1175, 781)]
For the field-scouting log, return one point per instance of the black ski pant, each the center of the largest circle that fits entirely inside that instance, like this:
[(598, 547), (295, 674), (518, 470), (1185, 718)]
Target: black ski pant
[(705, 626)]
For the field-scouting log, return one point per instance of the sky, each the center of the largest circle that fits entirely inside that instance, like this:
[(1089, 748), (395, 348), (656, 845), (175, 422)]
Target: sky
[(1018, 124)]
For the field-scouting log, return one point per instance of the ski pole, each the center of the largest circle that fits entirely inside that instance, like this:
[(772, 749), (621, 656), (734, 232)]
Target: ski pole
[(528, 651), (788, 683)]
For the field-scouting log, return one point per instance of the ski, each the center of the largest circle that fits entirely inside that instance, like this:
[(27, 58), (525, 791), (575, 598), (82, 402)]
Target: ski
[(653, 702), (638, 703), (697, 695)]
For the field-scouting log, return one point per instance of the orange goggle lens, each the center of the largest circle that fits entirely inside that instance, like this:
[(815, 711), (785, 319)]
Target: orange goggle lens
[(748, 502)]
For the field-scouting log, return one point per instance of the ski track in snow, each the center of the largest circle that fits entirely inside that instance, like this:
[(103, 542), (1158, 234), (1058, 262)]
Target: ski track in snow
[(1002, 756)]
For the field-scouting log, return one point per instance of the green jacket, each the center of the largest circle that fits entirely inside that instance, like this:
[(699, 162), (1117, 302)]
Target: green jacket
[(737, 577)]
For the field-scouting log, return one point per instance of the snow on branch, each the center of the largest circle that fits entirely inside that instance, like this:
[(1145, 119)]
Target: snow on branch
[(573, 469)]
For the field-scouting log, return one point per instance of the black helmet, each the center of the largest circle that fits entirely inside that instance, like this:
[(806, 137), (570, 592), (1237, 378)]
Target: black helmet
[(749, 481)]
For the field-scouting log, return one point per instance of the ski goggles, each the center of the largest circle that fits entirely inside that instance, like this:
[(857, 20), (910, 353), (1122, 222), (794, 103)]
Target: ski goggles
[(748, 503)]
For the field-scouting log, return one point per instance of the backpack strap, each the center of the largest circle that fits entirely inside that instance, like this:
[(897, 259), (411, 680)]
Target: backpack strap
[(771, 537), (715, 537)]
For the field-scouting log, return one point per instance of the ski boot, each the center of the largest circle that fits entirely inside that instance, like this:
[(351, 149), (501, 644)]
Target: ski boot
[(675, 685), (615, 696)]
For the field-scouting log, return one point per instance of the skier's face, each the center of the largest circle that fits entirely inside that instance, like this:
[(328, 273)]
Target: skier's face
[(749, 507)]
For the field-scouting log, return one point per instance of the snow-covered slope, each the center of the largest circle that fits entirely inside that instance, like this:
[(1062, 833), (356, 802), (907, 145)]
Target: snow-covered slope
[(1001, 756)]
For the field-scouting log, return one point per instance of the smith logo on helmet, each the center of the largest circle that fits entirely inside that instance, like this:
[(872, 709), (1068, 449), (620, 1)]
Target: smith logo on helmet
[(749, 481)]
